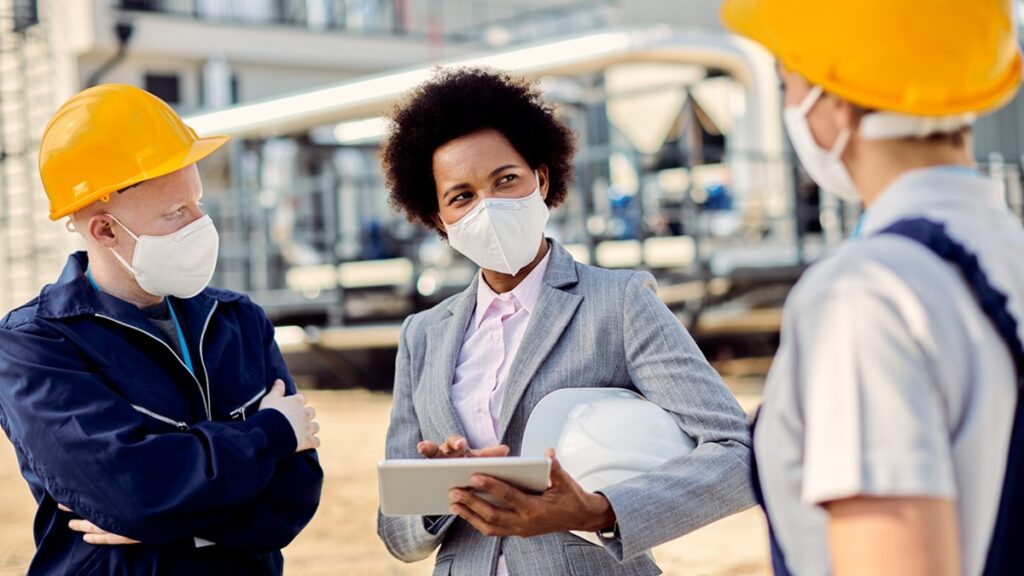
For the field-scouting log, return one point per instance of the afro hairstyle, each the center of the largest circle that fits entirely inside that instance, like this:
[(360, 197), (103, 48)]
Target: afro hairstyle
[(460, 101)]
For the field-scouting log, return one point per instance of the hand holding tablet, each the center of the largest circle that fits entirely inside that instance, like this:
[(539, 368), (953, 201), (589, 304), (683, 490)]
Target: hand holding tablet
[(420, 487)]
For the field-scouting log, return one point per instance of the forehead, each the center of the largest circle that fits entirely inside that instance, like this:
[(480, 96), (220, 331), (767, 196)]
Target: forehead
[(472, 154), (179, 187)]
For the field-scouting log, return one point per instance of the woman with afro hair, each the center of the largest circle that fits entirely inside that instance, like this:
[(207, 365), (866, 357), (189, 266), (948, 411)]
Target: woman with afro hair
[(480, 157)]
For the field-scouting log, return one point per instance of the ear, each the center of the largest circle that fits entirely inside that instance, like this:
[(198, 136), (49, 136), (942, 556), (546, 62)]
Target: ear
[(543, 180), (845, 114), (102, 229), (442, 229)]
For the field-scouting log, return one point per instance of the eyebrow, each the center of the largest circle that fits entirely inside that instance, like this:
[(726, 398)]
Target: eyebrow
[(463, 185)]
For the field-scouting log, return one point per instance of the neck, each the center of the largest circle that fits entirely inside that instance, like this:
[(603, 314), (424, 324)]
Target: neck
[(113, 279), (502, 283), (876, 165)]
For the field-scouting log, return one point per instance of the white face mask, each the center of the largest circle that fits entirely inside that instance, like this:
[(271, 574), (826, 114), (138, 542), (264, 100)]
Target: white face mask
[(824, 166), (179, 264), (501, 234)]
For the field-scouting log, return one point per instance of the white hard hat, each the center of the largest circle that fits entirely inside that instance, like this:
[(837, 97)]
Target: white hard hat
[(603, 436)]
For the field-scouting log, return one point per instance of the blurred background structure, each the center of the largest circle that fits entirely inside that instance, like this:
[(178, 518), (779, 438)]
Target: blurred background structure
[(683, 166)]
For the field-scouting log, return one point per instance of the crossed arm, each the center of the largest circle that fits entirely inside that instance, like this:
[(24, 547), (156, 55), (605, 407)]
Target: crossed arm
[(253, 483)]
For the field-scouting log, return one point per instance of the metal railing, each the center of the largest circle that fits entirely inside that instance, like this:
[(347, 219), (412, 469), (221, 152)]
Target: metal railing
[(437, 20)]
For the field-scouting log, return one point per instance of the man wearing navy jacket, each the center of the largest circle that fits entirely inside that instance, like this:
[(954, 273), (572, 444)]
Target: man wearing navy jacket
[(153, 417)]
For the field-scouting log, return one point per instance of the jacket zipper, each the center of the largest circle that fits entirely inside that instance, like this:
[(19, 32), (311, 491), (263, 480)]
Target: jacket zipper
[(241, 410), (202, 394), (202, 363), (179, 425)]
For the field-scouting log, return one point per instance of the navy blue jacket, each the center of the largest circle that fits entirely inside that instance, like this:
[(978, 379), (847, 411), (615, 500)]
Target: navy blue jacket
[(107, 420)]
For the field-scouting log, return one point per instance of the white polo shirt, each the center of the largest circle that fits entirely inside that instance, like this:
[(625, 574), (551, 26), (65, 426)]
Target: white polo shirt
[(889, 380)]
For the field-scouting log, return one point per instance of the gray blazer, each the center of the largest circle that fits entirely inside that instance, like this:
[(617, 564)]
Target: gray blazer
[(592, 327)]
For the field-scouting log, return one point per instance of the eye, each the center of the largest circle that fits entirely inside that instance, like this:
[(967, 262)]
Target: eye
[(460, 198), (507, 179)]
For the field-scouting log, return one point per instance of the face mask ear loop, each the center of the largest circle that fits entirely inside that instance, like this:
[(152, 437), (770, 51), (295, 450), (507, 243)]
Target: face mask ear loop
[(130, 233), (840, 146), (123, 262), (69, 225), (810, 100)]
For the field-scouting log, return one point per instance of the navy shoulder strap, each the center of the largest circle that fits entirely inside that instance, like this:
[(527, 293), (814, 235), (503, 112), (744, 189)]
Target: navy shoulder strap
[(779, 567), (1005, 555)]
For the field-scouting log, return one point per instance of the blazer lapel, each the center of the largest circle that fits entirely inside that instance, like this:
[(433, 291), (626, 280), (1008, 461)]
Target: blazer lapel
[(444, 341), (555, 310)]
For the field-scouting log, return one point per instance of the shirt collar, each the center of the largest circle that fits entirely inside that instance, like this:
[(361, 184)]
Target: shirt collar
[(920, 191), (525, 294)]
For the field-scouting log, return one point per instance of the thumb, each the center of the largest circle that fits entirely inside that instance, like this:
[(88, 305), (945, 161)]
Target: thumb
[(559, 477)]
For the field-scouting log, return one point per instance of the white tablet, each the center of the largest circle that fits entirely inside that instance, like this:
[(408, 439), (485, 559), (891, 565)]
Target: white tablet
[(420, 487)]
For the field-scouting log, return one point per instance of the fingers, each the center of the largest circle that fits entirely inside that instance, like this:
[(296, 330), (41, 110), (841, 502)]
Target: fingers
[(475, 521), (499, 451), (86, 527), (310, 413), (427, 449), (484, 516), (64, 508), (454, 446), (108, 540), (277, 389), (558, 476), (301, 399), (83, 526), (508, 495), (312, 429)]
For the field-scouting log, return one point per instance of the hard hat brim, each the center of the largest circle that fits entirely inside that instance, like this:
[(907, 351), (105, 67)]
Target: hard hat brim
[(200, 149)]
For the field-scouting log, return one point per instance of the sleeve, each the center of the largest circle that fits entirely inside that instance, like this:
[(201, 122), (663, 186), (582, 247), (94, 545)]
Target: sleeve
[(711, 482), (875, 421), (408, 538), (288, 502), (92, 450)]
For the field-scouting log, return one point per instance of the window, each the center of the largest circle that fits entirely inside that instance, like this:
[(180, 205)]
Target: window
[(167, 87), (26, 14), (141, 5)]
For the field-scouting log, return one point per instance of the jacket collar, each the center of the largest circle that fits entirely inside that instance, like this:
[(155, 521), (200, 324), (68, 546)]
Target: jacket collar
[(555, 310), (72, 295)]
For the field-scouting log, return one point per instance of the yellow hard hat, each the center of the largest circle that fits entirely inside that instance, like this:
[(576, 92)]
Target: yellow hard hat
[(109, 137), (923, 57)]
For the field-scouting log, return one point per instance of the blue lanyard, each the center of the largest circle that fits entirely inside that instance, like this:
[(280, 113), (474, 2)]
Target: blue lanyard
[(186, 356), (856, 229)]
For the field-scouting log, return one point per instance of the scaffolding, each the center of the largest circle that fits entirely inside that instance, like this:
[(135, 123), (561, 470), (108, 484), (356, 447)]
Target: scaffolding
[(32, 249)]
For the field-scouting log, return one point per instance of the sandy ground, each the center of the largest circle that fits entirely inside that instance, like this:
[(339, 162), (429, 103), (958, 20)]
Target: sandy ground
[(342, 539)]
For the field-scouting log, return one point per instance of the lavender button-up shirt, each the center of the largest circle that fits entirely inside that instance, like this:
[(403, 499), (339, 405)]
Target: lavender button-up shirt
[(488, 350)]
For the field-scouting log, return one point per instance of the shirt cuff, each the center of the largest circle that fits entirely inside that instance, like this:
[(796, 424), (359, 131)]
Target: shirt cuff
[(276, 430)]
